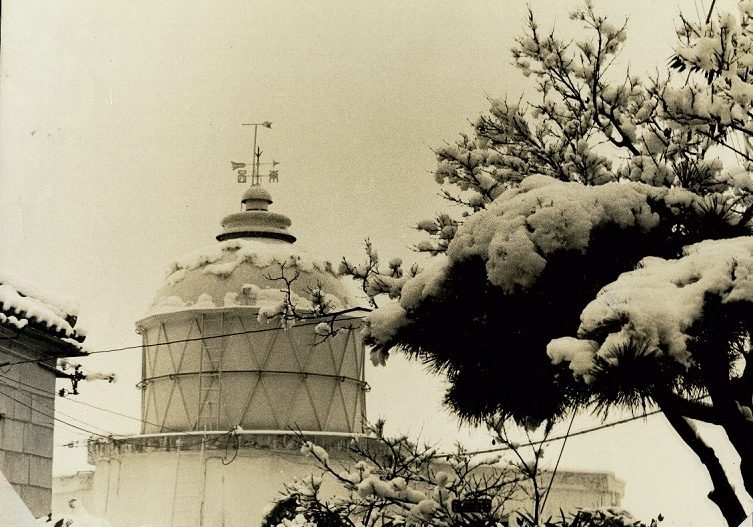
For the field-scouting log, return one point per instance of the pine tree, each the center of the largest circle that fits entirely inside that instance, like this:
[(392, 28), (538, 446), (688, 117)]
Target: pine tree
[(604, 256)]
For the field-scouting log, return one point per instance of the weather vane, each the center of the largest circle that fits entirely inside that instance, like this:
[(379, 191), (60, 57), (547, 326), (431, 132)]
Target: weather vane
[(256, 175)]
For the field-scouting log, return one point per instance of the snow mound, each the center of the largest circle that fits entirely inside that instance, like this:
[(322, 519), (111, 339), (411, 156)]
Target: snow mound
[(543, 215), (250, 273), (520, 230), (657, 303), (269, 302), (261, 254)]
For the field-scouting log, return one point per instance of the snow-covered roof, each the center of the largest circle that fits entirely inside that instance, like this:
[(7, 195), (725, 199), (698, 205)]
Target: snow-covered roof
[(24, 305), (245, 273)]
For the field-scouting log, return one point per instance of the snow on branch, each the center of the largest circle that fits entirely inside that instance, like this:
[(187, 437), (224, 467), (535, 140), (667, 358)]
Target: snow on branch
[(542, 217), (585, 127), (374, 281), (658, 304), (392, 481), (524, 227)]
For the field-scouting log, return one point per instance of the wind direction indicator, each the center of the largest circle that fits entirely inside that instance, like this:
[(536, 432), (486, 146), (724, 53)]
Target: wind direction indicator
[(272, 176)]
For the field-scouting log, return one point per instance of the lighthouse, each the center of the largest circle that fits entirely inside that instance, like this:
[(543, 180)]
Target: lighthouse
[(250, 344)]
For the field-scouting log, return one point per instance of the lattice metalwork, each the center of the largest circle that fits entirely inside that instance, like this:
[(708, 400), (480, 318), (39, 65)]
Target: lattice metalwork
[(270, 380)]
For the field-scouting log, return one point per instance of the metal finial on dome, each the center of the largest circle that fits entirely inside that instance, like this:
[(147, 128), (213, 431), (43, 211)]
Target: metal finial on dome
[(255, 220)]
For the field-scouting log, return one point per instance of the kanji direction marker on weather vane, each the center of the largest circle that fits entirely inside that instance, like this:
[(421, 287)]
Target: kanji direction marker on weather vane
[(256, 175)]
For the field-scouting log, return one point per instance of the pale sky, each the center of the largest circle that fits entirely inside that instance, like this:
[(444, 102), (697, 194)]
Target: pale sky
[(120, 119)]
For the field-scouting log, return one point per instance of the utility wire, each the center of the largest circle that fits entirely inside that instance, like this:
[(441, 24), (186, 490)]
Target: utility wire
[(91, 432), (51, 416), (121, 414), (24, 353), (542, 441), (52, 411), (262, 330), (195, 339), (557, 464), (552, 439), (444, 455), (73, 444), (557, 438), (221, 335), (109, 435), (71, 399)]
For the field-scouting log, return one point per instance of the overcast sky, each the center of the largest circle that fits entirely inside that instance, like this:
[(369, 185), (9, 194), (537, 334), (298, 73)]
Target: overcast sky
[(120, 119)]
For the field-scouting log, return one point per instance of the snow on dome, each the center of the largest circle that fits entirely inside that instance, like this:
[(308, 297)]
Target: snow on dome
[(246, 272), (246, 267), (24, 304)]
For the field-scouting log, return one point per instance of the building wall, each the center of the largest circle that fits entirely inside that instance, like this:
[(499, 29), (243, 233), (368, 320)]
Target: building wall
[(139, 489), (66, 488), (571, 491), (136, 483), (26, 433)]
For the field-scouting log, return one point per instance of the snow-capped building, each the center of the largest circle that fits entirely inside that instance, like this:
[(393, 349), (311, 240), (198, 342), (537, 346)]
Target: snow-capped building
[(228, 390), (225, 388), (36, 329)]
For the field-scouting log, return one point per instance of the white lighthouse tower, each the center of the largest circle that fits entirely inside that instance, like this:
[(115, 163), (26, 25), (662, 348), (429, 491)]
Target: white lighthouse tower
[(228, 383)]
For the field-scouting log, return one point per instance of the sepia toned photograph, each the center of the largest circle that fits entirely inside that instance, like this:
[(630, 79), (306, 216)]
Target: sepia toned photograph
[(402, 263)]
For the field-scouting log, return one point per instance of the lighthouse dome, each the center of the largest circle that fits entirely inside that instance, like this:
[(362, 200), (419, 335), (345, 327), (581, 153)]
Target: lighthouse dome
[(235, 336), (253, 264)]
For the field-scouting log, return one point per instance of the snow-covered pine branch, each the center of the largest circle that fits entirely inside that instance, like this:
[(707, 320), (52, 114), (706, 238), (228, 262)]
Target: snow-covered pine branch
[(564, 194)]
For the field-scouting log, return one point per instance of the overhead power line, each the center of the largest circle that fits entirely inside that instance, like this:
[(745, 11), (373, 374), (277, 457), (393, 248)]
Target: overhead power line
[(193, 339), (110, 435), (35, 407), (442, 455), (503, 448), (30, 387), (51, 416), (142, 421), (560, 437), (530, 443)]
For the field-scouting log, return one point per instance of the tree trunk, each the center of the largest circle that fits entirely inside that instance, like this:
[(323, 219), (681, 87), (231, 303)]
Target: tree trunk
[(722, 493), (740, 434), (739, 431)]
